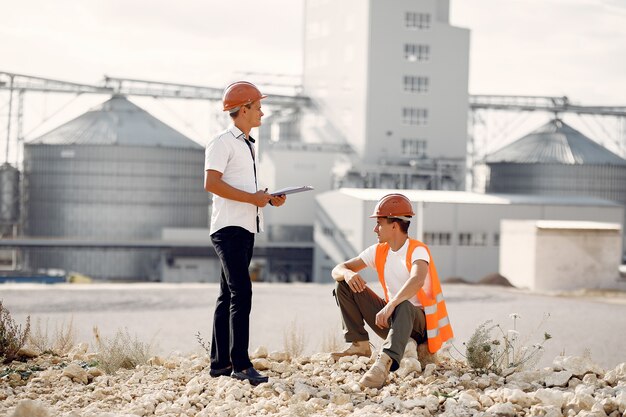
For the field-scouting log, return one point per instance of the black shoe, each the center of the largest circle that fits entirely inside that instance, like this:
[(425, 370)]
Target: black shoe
[(251, 375), (221, 372)]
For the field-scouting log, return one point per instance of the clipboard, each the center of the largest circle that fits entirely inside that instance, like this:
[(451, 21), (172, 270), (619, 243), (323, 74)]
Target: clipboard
[(291, 190)]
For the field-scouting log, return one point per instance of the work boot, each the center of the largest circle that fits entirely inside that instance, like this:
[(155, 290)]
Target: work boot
[(360, 348), (377, 374), (424, 355)]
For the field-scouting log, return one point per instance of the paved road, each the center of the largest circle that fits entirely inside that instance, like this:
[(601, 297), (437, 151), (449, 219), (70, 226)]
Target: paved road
[(172, 314)]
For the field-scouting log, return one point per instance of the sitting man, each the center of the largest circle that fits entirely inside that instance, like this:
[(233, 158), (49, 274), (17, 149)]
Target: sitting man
[(413, 306)]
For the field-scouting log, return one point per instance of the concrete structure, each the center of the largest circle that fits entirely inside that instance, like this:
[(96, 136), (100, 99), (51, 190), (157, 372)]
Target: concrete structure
[(115, 172), (560, 255), (557, 160), (462, 229), (392, 78)]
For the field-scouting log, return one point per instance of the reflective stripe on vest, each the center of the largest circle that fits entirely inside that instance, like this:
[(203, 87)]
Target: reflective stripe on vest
[(438, 328)]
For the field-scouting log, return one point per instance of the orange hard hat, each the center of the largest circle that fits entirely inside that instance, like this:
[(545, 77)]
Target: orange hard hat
[(239, 94), (394, 205)]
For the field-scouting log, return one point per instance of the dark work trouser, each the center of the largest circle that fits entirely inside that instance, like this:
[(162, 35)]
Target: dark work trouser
[(231, 321), (406, 320)]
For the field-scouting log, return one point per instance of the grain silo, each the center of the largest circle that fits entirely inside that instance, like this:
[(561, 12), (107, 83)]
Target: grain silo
[(116, 173), (557, 160)]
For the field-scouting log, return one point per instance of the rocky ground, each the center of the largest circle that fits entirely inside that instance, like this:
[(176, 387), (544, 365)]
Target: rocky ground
[(74, 386)]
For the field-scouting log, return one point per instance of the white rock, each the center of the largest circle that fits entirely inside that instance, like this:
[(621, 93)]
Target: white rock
[(156, 361), (194, 387), (558, 379), (527, 377), (413, 403), (27, 352), (408, 366), (550, 396), (578, 366), (468, 400), (517, 396), (616, 374), (546, 411), (260, 352), (340, 399), (485, 400), (500, 409), (78, 352), (620, 400), (277, 356), (429, 369), (30, 408), (76, 373), (432, 402), (261, 364), (280, 367)]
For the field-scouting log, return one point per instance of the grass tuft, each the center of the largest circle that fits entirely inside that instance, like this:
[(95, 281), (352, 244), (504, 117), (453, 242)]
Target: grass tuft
[(294, 340), (122, 351), (60, 343)]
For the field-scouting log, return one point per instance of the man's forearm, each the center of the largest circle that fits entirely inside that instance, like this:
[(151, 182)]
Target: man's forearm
[(339, 272), (224, 190), (408, 290)]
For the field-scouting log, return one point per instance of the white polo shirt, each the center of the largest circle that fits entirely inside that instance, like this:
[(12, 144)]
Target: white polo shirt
[(396, 273), (229, 154)]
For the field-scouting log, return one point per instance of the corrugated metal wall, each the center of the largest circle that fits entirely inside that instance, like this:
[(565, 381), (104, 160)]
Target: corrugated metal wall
[(602, 181), (114, 192)]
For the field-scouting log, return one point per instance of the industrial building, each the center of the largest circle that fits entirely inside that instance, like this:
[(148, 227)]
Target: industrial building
[(557, 160), (395, 88), (462, 229), (114, 173), (384, 109)]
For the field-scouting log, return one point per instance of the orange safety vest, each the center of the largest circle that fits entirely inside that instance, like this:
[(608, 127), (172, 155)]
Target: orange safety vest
[(438, 328)]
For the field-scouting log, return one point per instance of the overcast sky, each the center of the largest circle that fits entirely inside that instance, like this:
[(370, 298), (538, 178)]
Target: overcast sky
[(528, 47)]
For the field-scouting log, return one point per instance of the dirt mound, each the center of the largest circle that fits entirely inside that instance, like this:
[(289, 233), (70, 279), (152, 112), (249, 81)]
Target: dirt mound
[(456, 280), (495, 279)]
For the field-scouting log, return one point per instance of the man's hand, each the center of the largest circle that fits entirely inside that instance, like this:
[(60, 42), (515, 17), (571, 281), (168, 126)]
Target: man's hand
[(383, 316), (260, 198), (278, 200), (354, 281)]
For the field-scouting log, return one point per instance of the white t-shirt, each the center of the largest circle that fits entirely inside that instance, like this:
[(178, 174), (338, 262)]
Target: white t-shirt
[(396, 273), (229, 154)]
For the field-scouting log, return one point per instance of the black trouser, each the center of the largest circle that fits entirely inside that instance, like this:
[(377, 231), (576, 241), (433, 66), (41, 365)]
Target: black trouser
[(231, 322)]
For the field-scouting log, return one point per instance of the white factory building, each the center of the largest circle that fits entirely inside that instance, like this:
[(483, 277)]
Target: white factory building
[(462, 229)]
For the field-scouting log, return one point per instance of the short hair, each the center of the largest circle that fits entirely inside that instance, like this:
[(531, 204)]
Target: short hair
[(235, 112), (404, 224)]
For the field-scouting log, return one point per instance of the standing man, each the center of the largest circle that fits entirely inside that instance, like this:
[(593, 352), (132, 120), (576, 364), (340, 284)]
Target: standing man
[(230, 174), (413, 307)]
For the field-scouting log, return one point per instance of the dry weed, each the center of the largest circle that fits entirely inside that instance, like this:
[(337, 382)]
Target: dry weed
[(294, 340), (120, 351), (61, 343), (12, 337), (331, 342)]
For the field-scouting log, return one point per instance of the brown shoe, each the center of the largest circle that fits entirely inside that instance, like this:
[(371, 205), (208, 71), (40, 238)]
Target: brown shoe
[(424, 355), (377, 374), (361, 348)]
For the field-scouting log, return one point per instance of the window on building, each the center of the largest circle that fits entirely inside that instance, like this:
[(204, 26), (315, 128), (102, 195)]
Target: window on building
[(415, 21), (413, 84), (416, 52), (414, 147), (473, 239), (414, 116), (496, 239), (437, 238)]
